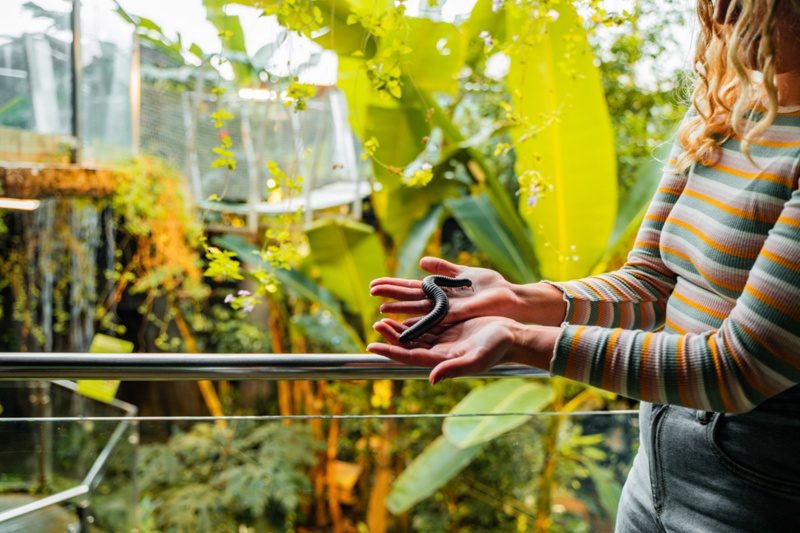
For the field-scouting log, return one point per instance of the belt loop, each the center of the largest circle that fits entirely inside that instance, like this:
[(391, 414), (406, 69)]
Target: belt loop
[(704, 417)]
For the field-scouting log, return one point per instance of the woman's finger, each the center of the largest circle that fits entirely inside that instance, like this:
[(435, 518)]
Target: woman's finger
[(391, 331), (397, 292), (418, 307), (413, 357), (399, 282), (467, 365), (440, 267)]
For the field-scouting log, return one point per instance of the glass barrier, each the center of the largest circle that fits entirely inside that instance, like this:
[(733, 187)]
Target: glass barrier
[(107, 51), (408, 467), (35, 78), (38, 76)]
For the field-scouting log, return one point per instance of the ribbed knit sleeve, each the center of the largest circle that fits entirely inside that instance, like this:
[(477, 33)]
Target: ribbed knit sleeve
[(753, 351)]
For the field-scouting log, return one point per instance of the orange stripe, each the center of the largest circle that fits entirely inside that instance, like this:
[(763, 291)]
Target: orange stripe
[(792, 311), (770, 144), (721, 247), (735, 357), (775, 178), (709, 277), (775, 352), (681, 371), (600, 309), (572, 361), (765, 217), (612, 343), (652, 216), (645, 392), (699, 307), (675, 327), (721, 381), (789, 221), (784, 262)]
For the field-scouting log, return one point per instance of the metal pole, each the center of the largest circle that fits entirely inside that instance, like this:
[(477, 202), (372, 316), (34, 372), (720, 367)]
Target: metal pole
[(154, 367), (76, 82)]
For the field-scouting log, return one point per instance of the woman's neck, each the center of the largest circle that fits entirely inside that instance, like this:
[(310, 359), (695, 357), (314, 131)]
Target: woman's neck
[(788, 85)]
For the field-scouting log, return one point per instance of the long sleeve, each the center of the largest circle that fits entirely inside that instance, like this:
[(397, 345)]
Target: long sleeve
[(753, 352)]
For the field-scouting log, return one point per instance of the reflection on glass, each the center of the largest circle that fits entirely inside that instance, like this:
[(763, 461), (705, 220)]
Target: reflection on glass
[(35, 66), (106, 54)]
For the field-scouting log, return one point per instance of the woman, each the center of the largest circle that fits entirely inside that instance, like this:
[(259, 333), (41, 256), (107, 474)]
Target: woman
[(702, 323)]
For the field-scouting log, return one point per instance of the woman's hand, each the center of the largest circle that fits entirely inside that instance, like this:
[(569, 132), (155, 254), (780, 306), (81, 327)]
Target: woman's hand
[(490, 295), (470, 347)]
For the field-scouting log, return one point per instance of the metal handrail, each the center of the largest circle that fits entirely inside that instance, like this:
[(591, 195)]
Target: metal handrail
[(154, 367)]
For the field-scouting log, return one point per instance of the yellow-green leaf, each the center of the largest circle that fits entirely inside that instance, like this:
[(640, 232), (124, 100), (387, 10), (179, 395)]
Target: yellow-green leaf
[(557, 90)]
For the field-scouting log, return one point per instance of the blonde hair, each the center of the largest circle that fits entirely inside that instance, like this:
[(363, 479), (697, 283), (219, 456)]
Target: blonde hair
[(726, 90)]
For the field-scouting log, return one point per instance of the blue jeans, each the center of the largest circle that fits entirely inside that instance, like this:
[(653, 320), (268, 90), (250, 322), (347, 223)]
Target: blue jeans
[(702, 472)]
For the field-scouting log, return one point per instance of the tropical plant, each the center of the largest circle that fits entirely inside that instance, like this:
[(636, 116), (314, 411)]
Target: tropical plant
[(215, 478)]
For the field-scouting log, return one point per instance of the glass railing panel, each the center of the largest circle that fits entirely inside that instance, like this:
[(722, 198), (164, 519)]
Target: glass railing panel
[(56, 449), (35, 78), (355, 472)]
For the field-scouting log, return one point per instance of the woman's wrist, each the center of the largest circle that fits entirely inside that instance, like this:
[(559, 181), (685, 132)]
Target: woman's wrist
[(533, 345), (539, 303)]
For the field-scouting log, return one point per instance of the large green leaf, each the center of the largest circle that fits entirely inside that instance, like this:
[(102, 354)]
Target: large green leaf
[(233, 45), (432, 469), (299, 284), (343, 38), (349, 255), (504, 209), (632, 209), (500, 400), (436, 57), (414, 245), (478, 218), (556, 87)]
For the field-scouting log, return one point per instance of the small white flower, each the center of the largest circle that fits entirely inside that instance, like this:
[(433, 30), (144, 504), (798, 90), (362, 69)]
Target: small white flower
[(496, 5), (426, 166), (244, 293), (552, 15), (248, 308), (229, 298), (487, 38)]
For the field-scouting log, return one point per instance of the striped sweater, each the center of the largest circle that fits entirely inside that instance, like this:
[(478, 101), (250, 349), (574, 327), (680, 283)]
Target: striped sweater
[(706, 311)]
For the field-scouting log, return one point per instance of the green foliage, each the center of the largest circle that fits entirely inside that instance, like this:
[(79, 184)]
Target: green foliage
[(218, 478)]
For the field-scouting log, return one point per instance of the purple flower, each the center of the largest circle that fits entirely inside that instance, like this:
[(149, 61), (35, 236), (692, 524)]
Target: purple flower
[(244, 293), (487, 38), (496, 5), (534, 196), (229, 298), (248, 308)]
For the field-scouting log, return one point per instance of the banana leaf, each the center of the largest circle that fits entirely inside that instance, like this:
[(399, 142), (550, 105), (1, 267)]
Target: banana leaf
[(566, 137), (300, 285), (478, 218), (414, 245), (499, 400), (432, 469), (349, 255)]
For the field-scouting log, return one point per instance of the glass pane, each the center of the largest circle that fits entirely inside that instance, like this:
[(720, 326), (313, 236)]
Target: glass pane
[(106, 55), (400, 472), (35, 78)]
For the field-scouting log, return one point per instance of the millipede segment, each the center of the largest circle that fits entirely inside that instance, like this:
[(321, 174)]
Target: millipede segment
[(432, 285)]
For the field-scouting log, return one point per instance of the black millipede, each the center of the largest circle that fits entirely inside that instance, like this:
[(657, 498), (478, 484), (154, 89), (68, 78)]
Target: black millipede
[(432, 287)]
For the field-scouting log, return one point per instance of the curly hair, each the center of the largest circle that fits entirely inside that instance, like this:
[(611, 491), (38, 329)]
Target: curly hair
[(735, 93)]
